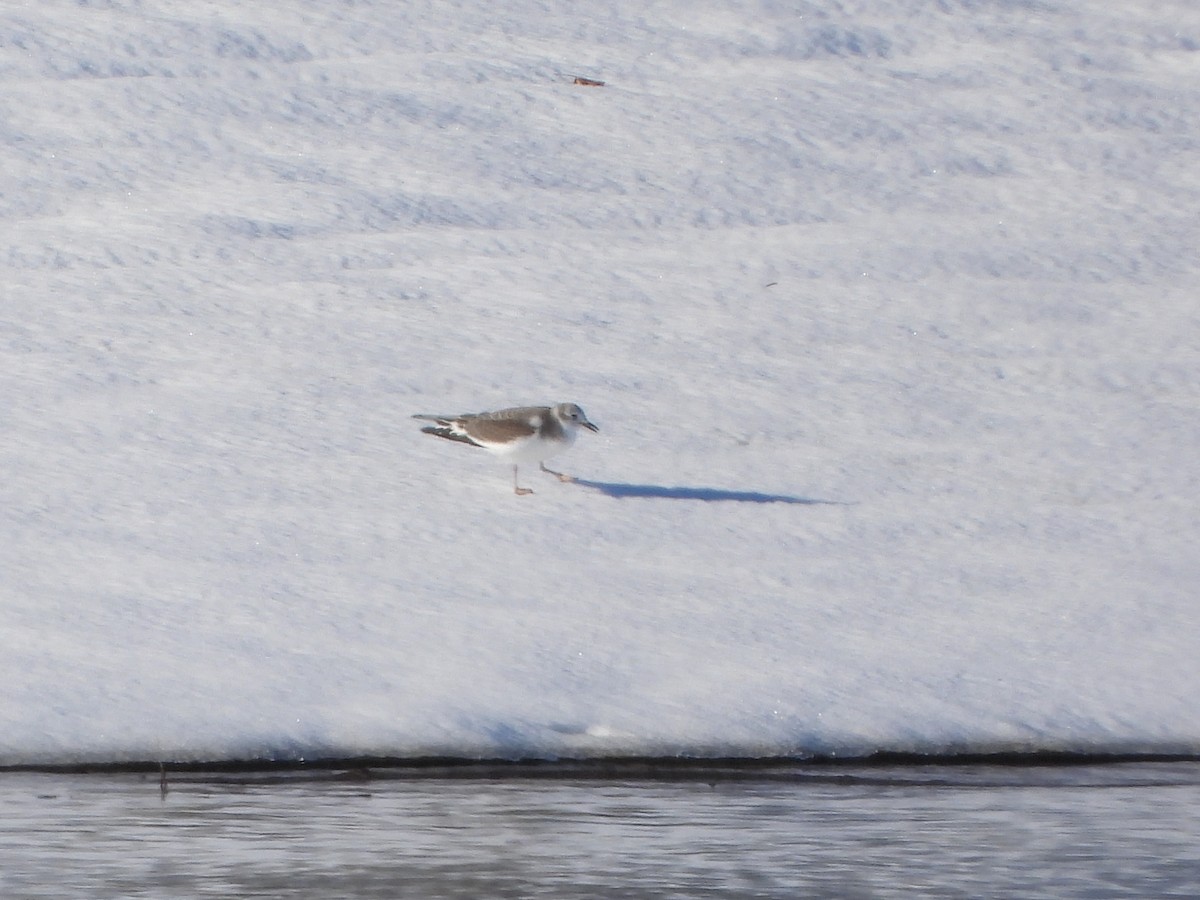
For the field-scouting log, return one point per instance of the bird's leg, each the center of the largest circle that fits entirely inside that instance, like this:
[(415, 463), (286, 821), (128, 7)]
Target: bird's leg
[(561, 476), (517, 489)]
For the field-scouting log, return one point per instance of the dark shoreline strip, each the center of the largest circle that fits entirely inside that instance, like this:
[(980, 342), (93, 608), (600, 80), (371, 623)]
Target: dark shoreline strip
[(628, 768)]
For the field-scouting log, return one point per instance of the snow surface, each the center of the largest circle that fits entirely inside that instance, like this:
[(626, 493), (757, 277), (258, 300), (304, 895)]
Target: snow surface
[(887, 311)]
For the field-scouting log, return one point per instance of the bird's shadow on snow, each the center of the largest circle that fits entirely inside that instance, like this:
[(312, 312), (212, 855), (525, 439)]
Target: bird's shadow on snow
[(623, 491)]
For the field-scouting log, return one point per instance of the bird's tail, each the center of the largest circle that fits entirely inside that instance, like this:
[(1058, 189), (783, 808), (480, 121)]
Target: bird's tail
[(445, 428), (448, 433)]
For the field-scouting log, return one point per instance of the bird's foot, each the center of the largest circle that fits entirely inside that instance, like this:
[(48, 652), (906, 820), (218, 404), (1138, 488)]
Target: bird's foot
[(561, 476), (517, 489)]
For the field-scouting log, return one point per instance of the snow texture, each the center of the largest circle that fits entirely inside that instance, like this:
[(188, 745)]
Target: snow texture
[(887, 311)]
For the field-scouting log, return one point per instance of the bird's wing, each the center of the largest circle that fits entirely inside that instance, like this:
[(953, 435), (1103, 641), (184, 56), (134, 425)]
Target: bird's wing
[(499, 430), (495, 427)]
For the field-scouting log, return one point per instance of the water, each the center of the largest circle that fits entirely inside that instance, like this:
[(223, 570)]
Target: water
[(1114, 831)]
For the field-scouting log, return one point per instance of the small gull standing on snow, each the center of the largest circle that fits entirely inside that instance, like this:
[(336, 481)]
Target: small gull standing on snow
[(523, 434)]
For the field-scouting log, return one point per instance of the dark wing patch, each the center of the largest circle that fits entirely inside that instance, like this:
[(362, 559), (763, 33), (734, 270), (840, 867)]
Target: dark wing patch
[(449, 434), (498, 430), (496, 427)]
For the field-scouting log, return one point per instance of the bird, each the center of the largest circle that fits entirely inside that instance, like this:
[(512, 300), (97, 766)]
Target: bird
[(520, 434)]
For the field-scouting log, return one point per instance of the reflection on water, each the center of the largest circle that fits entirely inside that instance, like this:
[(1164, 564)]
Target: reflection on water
[(1113, 831)]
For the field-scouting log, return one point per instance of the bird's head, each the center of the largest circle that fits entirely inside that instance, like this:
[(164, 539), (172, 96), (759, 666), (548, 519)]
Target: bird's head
[(571, 413)]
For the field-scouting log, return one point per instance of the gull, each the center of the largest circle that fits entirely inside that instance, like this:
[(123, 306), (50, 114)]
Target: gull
[(522, 434)]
